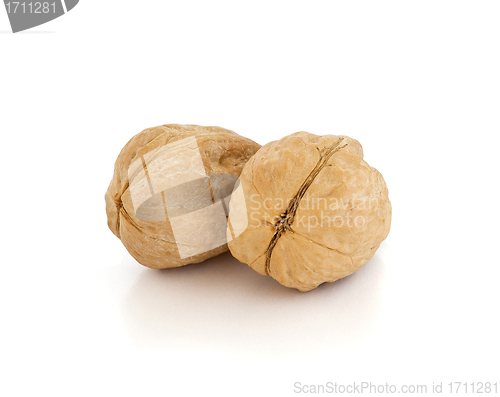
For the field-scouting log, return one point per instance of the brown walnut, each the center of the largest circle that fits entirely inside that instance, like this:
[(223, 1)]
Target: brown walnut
[(168, 198), (307, 210)]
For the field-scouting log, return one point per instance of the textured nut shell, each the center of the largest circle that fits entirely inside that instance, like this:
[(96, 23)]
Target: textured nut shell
[(152, 243), (309, 254)]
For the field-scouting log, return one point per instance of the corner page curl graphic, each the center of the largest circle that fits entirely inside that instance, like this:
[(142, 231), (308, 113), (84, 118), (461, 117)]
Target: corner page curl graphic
[(27, 14)]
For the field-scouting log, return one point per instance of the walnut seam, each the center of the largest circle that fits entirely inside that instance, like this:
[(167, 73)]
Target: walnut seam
[(285, 220)]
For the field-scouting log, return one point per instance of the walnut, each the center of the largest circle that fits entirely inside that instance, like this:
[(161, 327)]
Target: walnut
[(307, 210), (168, 198)]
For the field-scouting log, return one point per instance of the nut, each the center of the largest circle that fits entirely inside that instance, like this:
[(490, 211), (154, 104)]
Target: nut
[(169, 195), (307, 210)]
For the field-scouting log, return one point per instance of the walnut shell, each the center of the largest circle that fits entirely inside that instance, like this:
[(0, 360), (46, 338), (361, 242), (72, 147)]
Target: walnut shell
[(307, 210), (168, 198)]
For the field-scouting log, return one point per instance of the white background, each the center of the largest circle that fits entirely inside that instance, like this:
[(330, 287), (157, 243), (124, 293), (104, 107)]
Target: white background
[(417, 83)]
